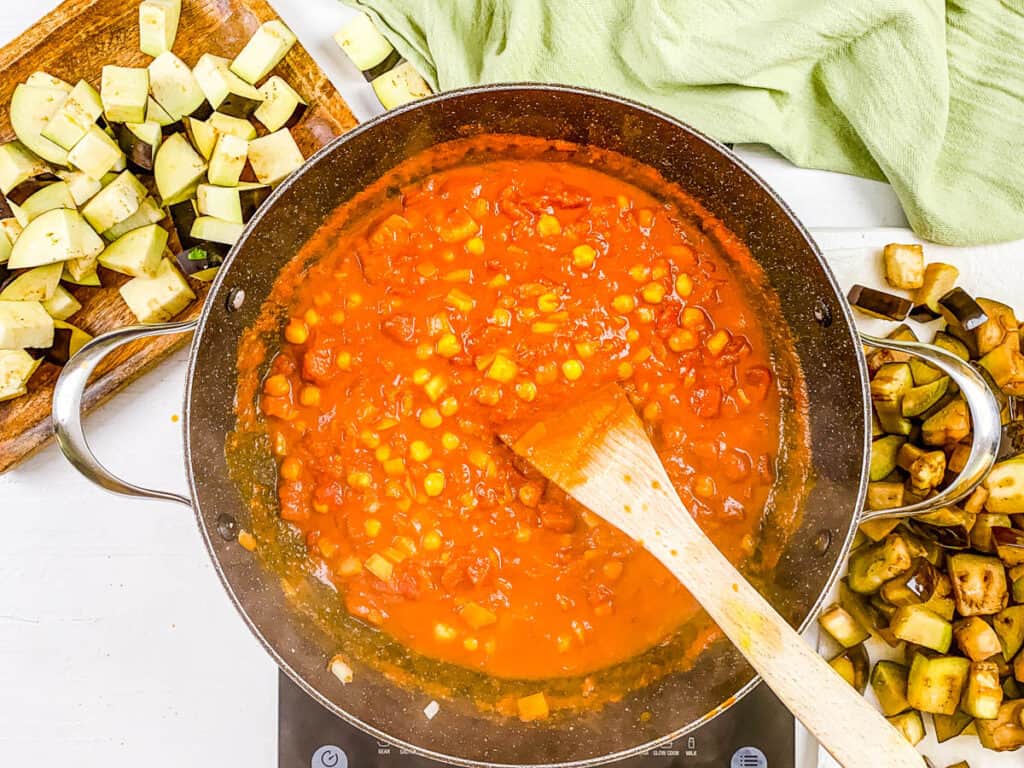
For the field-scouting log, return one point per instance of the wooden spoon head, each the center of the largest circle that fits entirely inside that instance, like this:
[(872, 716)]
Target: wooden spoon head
[(569, 444)]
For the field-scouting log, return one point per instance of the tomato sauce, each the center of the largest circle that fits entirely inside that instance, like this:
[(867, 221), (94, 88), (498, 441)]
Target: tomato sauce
[(479, 295)]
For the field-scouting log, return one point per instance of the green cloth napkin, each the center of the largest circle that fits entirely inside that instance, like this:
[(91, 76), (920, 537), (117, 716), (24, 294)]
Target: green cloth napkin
[(926, 96)]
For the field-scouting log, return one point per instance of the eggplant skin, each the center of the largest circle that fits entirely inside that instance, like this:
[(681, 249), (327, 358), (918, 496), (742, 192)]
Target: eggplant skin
[(390, 62), (140, 153), (22, 192)]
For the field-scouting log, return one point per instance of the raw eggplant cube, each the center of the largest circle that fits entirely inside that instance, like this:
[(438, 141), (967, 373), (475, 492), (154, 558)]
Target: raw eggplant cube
[(137, 253), (159, 298), (225, 91), (177, 170), (24, 324), (274, 156), (72, 120), (228, 160), (62, 304), (363, 43), (57, 235), (236, 204), (21, 172), (158, 25), (264, 51), (402, 85), (174, 86), (125, 92), (16, 368), (282, 106), (139, 142), (115, 202), (96, 153), (235, 126), (30, 112)]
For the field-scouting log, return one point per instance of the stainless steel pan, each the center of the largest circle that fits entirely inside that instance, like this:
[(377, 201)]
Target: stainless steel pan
[(826, 345)]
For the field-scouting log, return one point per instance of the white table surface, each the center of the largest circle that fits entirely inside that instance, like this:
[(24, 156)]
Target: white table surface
[(118, 646)]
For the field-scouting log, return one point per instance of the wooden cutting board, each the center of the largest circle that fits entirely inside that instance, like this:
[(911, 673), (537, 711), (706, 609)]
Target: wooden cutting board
[(73, 42)]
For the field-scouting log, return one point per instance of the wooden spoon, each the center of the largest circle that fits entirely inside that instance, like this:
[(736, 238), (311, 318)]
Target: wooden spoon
[(598, 452)]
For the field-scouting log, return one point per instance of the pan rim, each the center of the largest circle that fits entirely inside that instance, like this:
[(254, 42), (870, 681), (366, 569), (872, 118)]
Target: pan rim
[(215, 294)]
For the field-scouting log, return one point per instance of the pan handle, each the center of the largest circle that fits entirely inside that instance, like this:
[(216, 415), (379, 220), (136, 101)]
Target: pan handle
[(67, 407), (986, 425)]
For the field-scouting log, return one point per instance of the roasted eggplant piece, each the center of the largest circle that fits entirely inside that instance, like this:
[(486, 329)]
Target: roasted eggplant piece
[(1005, 366), (889, 682), (910, 725), (843, 627), (1006, 731), (877, 303), (976, 639), (939, 279), (1009, 625), (1002, 320), (921, 626), (904, 265), (981, 533), (919, 399), (926, 469), (862, 611), (979, 584), (879, 357), (913, 587), (888, 387), (1005, 486), (950, 425), (884, 495), (936, 684), (922, 313), (872, 566), (852, 665), (983, 694), (950, 726), (876, 530), (960, 310), (883, 456)]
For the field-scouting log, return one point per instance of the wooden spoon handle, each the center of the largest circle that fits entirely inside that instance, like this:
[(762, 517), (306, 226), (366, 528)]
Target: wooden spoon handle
[(828, 706)]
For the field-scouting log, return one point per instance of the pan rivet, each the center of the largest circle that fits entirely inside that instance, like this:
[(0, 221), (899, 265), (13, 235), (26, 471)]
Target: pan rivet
[(823, 541), (822, 313), (227, 527), (236, 298)]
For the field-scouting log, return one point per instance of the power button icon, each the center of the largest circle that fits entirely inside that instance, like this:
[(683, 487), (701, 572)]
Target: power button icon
[(329, 756)]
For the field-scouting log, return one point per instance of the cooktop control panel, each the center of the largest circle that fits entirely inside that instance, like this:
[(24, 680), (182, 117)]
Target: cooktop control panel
[(758, 732)]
